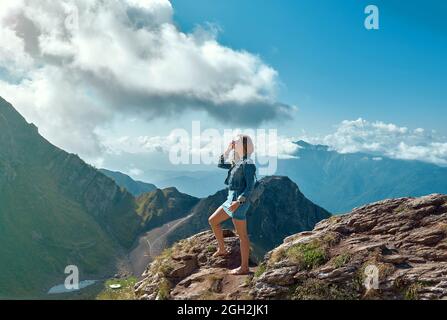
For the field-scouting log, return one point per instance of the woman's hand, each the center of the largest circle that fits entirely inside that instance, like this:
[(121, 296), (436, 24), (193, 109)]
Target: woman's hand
[(229, 148), (234, 206)]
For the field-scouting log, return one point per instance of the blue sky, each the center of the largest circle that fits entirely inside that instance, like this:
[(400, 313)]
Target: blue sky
[(131, 72), (334, 69)]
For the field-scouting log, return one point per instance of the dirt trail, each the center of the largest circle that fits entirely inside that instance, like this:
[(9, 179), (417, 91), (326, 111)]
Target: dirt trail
[(150, 245)]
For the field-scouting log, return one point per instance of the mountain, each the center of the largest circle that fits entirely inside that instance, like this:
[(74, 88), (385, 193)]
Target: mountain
[(161, 206), (397, 247), (196, 183), (55, 210), (340, 182), (393, 249), (135, 187), (280, 209)]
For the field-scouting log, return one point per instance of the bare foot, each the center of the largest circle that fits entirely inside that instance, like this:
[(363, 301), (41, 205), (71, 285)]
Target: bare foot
[(221, 253), (239, 271)]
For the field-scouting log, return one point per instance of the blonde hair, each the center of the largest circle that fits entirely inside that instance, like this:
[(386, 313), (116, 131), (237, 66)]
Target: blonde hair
[(250, 145)]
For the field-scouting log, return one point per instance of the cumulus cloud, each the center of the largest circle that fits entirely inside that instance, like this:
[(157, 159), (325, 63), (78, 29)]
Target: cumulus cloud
[(72, 65), (266, 145), (386, 139), (378, 139)]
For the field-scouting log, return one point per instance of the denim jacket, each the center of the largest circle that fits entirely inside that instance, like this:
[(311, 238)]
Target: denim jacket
[(240, 176)]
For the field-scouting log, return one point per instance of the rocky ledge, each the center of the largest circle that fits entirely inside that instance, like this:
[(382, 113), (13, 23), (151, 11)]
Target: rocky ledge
[(393, 249), (189, 271)]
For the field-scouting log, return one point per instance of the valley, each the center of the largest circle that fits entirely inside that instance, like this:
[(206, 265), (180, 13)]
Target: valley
[(151, 244)]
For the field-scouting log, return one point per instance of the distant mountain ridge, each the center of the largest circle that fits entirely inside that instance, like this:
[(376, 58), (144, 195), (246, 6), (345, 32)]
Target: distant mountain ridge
[(135, 187), (338, 182)]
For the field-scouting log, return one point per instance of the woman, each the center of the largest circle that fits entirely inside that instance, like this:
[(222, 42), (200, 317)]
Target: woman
[(240, 181)]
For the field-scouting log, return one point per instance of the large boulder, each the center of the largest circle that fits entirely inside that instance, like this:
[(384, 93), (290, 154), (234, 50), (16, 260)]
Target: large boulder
[(189, 270)]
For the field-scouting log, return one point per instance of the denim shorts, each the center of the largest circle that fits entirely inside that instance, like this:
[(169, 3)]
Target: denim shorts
[(241, 211)]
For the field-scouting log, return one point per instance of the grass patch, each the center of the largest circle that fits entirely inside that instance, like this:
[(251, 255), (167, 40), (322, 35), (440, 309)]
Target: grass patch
[(330, 239), (164, 289), (278, 255), (163, 263), (260, 270), (314, 289), (249, 280), (126, 292), (411, 293), (307, 255), (211, 248), (341, 260), (409, 290)]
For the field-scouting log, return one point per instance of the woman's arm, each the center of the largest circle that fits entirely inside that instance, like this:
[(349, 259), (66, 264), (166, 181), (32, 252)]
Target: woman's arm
[(222, 163)]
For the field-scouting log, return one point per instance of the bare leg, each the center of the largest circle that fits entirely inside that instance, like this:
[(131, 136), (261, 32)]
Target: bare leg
[(241, 229), (215, 220)]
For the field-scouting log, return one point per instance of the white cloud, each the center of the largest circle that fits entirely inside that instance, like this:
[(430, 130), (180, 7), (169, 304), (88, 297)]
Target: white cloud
[(197, 146), (136, 172), (386, 139), (73, 65), (378, 139)]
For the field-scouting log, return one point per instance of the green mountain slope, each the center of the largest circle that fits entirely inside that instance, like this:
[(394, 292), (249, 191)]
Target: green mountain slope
[(55, 210), (161, 206)]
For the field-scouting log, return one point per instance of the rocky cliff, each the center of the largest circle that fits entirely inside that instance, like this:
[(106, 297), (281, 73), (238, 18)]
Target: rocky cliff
[(189, 271), (393, 249)]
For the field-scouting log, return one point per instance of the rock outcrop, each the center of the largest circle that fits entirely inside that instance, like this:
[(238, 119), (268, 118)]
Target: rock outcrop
[(394, 249), (189, 271)]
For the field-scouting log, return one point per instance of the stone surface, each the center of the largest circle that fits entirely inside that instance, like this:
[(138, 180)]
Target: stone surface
[(404, 239), (189, 271), (393, 249)]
